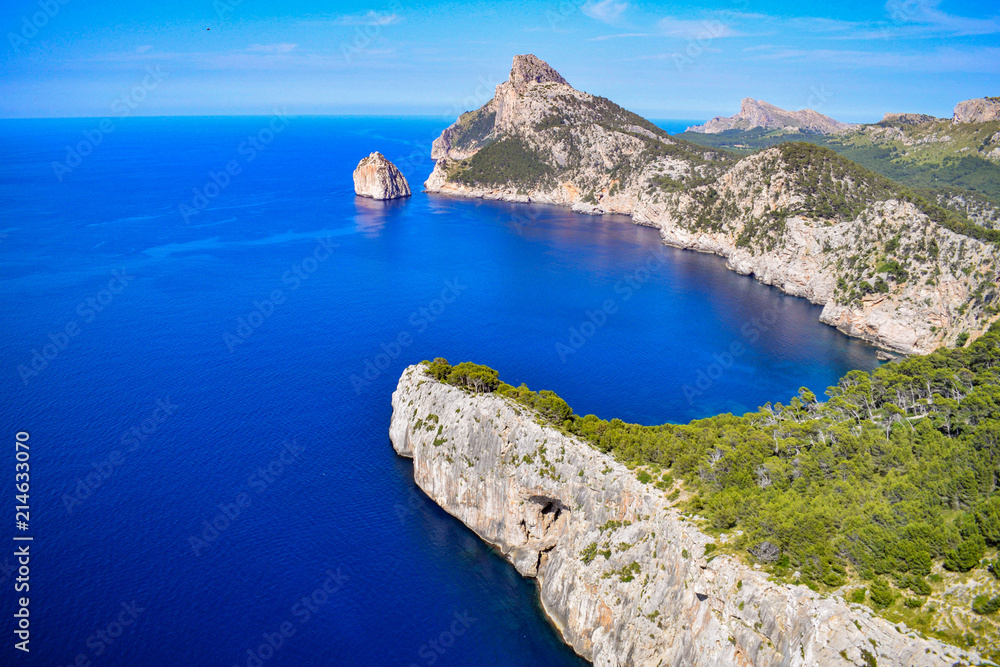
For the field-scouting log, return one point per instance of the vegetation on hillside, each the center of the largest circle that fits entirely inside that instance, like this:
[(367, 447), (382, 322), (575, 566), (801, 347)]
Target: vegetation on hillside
[(897, 471), (565, 132), (473, 129), (937, 158), (507, 161), (837, 188)]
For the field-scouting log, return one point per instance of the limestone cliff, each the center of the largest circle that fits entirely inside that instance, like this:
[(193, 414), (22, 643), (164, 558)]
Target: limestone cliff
[(378, 178), (981, 110), (758, 114), (802, 219), (621, 573)]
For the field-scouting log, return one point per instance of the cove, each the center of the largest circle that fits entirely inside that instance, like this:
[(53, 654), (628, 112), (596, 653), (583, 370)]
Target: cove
[(523, 278)]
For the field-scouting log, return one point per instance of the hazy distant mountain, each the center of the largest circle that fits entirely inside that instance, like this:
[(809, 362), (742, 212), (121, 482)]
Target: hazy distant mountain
[(760, 114)]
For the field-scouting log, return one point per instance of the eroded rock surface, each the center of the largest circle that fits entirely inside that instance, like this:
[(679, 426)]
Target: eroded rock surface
[(551, 504), (980, 110), (378, 178)]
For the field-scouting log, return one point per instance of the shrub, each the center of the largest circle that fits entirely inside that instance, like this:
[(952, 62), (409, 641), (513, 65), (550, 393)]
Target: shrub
[(857, 596), (966, 556), (984, 604), (916, 584), (478, 378), (987, 516), (882, 594), (833, 579), (438, 369)]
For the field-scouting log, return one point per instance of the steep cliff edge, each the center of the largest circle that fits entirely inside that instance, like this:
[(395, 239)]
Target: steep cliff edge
[(621, 573), (803, 219)]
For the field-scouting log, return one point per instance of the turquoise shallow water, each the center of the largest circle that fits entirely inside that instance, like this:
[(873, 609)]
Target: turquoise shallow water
[(210, 445)]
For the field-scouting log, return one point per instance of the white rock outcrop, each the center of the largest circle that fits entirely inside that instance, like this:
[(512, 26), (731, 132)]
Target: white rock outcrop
[(979, 110), (551, 504), (378, 178)]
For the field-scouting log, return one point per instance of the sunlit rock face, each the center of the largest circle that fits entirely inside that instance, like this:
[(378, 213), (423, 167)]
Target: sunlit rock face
[(621, 573), (378, 178)]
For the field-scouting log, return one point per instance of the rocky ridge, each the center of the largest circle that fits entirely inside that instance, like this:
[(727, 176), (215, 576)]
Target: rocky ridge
[(980, 110), (820, 228), (973, 131), (377, 177), (621, 573), (755, 114), (908, 118)]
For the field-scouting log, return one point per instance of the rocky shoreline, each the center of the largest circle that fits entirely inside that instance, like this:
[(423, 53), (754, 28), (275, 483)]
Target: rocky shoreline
[(938, 296), (621, 573)]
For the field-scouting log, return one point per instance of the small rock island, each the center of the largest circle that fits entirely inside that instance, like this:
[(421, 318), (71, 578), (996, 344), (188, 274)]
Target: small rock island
[(378, 178)]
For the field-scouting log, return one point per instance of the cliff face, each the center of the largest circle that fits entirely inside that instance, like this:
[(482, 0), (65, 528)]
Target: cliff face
[(378, 178), (811, 224), (981, 110), (621, 573), (756, 114)]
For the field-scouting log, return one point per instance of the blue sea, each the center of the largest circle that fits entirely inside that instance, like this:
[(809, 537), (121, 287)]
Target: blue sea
[(202, 329)]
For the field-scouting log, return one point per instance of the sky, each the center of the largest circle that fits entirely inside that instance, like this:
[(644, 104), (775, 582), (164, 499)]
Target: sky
[(849, 59)]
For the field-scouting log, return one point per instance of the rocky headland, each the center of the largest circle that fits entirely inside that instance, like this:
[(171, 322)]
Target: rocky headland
[(622, 574), (378, 178), (887, 268)]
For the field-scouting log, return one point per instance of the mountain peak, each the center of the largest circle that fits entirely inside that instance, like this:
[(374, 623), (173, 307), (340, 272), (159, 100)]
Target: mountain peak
[(749, 104), (760, 114), (528, 69)]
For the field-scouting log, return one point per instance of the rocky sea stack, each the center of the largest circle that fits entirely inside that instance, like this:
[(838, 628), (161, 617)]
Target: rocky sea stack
[(378, 178)]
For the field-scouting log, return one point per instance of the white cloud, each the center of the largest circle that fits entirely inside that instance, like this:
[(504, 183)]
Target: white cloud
[(981, 60), (606, 11), (283, 47), (602, 38), (708, 28), (925, 14), (371, 17), (143, 48)]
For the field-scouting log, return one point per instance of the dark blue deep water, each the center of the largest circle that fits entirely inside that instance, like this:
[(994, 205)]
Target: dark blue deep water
[(209, 372)]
